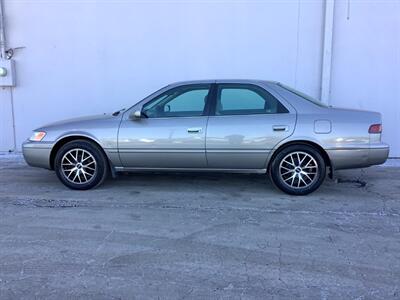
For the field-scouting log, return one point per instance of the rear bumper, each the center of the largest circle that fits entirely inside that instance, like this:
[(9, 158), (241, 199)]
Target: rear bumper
[(37, 154), (376, 154)]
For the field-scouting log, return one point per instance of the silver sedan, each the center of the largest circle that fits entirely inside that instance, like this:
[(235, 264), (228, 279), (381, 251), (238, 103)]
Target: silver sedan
[(247, 126)]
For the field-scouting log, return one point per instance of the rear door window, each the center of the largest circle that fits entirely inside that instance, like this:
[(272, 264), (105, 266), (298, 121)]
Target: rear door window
[(246, 99)]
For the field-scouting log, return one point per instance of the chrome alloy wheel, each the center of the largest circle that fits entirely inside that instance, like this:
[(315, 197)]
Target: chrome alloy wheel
[(78, 166), (298, 170)]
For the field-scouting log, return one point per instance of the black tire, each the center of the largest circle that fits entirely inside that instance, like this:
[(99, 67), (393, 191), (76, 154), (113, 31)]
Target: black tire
[(91, 152), (295, 182)]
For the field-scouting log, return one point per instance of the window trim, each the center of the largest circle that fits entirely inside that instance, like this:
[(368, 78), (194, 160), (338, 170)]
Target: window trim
[(206, 105)]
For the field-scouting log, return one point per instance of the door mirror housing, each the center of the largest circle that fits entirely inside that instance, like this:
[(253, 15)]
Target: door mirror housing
[(137, 114)]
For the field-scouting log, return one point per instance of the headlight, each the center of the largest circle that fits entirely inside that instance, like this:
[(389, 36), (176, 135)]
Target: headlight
[(37, 136)]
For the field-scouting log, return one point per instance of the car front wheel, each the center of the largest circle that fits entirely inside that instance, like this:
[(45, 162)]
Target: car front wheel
[(298, 169), (80, 165)]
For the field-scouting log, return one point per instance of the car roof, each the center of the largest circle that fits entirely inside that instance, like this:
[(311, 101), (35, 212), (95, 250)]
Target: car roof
[(208, 81)]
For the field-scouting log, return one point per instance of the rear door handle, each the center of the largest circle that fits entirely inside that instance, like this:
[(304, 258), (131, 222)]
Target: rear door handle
[(194, 130), (280, 128)]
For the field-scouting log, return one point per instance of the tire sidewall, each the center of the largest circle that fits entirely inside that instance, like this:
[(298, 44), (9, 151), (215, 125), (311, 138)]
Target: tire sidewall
[(278, 181), (101, 164)]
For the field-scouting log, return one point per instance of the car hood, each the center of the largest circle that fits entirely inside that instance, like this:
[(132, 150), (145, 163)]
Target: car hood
[(78, 122)]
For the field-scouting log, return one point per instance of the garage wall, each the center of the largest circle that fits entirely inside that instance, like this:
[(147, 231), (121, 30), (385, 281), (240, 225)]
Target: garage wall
[(88, 57), (6, 123), (366, 62)]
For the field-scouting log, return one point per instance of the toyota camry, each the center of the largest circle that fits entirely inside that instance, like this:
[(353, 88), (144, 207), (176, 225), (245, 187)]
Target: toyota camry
[(247, 126)]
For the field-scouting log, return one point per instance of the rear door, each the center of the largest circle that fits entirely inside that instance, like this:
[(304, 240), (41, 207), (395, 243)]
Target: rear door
[(245, 123)]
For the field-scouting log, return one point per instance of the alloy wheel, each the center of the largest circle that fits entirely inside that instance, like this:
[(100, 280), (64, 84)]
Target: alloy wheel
[(78, 166), (298, 170)]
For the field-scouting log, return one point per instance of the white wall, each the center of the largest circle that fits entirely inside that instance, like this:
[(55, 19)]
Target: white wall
[(87, 57), (366, 61)]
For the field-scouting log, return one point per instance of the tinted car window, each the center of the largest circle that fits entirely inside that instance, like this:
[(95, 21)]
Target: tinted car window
[(244, 99), (185, 101)]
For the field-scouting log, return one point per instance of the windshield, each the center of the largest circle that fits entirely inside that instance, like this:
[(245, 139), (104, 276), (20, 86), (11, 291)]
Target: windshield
[(302, 95)]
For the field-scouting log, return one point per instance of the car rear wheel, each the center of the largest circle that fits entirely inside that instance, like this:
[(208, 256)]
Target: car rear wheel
[(81, 165), (298, 169)]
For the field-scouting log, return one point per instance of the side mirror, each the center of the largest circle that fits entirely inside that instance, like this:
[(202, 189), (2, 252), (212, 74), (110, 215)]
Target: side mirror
[(136, 114)]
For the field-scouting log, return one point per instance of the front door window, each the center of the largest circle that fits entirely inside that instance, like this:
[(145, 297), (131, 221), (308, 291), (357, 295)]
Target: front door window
[(185, 101)]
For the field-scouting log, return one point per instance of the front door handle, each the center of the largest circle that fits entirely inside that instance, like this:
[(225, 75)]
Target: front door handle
[(194, 130), (280, 128)]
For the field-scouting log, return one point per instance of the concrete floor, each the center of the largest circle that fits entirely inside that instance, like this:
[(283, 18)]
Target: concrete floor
[(198, 236)]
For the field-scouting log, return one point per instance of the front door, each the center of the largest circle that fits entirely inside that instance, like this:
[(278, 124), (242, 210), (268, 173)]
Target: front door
[(170, 133), (247, 122)]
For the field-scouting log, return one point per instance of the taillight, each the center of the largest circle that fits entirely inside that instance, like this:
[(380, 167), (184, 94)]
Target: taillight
[(375, 128)]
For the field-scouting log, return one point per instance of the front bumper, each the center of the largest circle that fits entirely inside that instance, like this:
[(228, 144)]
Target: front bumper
[(376, 154), (37, 154)]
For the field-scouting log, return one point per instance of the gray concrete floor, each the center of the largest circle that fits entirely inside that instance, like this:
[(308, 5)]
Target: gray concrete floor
[(175, 236)]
